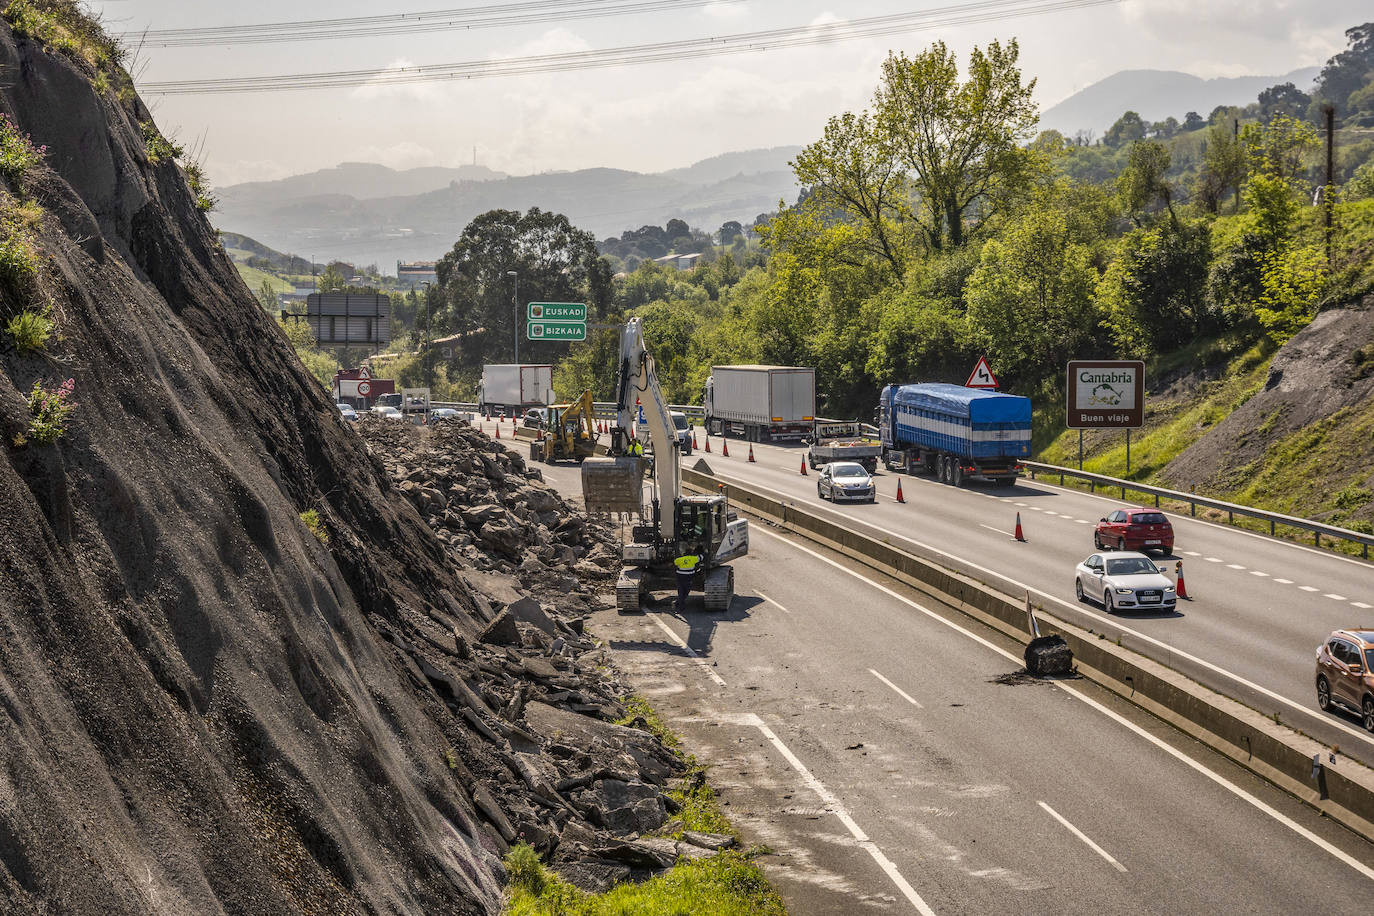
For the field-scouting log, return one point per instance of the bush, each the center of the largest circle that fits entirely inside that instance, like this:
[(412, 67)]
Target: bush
[(524, 871), (65, 26), (158, 146), (200, 187), (17, 152), (49, 409), (30, 330), (316, 526)]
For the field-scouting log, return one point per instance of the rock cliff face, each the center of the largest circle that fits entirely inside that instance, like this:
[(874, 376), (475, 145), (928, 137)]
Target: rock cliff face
[(204, 707)]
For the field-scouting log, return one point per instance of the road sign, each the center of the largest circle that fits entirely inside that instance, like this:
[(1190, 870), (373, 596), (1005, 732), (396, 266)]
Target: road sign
[(364, 372), (364, 389), (557, 311), (556, 330), (1106, 394), (981, 376)]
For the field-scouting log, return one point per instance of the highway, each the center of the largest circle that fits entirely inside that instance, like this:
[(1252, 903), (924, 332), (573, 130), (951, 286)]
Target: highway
[(881, 745), (1260, 606)]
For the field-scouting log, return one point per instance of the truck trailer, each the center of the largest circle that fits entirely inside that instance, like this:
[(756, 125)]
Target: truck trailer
[(760, 403), (511, 387), (954, 433)]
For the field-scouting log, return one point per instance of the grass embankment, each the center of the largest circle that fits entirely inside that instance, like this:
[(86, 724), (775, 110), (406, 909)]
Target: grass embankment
[(1317, 472), (255, 278), (726, 884)]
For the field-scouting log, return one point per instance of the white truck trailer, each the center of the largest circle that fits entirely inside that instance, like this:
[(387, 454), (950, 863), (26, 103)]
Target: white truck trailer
[(511, 387), (760, 403)]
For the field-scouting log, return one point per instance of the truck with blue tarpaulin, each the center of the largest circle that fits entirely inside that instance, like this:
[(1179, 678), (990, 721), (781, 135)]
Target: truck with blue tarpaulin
[(954, 433)]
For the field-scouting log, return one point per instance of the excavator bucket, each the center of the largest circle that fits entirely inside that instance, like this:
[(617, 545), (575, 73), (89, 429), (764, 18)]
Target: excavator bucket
[(613, 486)]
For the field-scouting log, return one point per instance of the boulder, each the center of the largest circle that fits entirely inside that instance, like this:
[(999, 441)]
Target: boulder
[(531, 612), (502, 631), (503, 538), (625, 806)]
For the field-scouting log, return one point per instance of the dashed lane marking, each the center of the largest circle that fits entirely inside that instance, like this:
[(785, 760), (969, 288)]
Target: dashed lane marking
[(689, 650), (1191, 553), (900, 692), (1284, 581), (1256, 572), (1335, 597), (1111, 714), (834, 804), (1234, 566), (1212, 559), (1361, 605), (998, 530), (1308, 588), (1083, 836)]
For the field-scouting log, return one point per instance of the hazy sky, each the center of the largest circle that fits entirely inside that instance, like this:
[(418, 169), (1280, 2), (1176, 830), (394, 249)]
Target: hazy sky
[(656, 116)]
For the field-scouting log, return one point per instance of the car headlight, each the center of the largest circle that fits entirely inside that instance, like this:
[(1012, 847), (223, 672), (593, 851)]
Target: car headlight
[(1169, 588), (1123, 591)]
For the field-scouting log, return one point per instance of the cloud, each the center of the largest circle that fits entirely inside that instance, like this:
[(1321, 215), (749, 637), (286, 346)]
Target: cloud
[(380, 87), (726, 9), (403, 155)]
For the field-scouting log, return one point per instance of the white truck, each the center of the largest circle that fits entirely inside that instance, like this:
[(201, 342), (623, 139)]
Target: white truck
[(511, 387), (760, 403)]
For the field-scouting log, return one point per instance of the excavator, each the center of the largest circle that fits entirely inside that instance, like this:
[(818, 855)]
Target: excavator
[(569, 434), (675, 523)]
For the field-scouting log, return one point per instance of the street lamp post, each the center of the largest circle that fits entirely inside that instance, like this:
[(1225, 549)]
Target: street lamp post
[(515, 310)]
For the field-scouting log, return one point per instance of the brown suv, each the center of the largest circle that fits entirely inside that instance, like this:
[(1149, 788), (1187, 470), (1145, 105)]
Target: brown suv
[(1345, 672)]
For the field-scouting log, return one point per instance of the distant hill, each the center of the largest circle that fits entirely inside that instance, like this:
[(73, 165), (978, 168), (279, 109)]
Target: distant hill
[(322, 215), (1157, 94)]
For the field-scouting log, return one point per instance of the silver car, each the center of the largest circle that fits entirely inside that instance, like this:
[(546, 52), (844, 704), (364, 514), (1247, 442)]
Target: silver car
[(1123, 579), (845, 480)]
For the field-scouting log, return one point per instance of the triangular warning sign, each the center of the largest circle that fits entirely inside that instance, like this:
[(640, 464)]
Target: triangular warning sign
[(364, 373), (982, 376)]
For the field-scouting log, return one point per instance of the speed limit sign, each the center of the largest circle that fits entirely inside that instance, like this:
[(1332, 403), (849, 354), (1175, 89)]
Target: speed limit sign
[(364, 389)]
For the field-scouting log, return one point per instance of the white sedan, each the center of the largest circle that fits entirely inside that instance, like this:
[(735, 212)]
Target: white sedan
[(387, 413), (845, 480), (1123, 579)]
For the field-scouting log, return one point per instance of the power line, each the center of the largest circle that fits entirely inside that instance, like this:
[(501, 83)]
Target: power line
[(488, 16), (748, 42)]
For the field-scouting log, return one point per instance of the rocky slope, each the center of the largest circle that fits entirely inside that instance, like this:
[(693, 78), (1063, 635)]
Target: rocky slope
[(204, 707)]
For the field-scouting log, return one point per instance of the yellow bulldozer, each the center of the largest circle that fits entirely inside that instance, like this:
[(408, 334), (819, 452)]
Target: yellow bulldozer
[(568, 433)]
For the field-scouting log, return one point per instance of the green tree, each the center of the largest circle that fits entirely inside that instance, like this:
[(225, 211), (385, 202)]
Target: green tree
[(331, 281), (1280, 147), (1154, 293), (1142, 183), (1223, 167), (1030, 301), (1293, 278), (1128, 128), (553, 262), (960, 144)]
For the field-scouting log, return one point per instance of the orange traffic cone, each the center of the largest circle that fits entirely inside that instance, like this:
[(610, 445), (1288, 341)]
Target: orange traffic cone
[(694, 440), (1019, 535), (498, 430), (1182, 589), (803, 473), (900, 497), (751, 451), (708, 445), (724, 448)]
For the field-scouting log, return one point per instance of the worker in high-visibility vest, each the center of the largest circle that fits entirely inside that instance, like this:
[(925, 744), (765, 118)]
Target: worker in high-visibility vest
[(686, 572), (636, 449)]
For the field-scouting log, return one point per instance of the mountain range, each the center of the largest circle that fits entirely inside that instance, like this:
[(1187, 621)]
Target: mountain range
[(1157, 94), (367, 213)]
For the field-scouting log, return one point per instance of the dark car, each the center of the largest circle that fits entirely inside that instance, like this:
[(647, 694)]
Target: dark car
[(1135, 529), (1345, 672)]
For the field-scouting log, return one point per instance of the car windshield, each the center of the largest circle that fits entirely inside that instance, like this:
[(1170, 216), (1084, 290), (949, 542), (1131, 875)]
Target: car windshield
[(1369, 659), (679, 421), (849, 470), (1149, 518), (1130, 566)]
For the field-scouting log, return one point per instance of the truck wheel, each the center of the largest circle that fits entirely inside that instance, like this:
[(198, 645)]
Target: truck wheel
[(957, 477)]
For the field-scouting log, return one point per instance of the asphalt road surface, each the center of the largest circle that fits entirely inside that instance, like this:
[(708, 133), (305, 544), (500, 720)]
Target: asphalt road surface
[(1260, 606), (884, 748)]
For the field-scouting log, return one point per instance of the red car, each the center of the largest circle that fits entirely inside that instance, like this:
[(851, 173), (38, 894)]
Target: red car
[(1135, 529)]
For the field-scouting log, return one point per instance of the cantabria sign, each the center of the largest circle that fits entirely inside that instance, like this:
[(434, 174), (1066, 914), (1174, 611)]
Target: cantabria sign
[(1106, 394)]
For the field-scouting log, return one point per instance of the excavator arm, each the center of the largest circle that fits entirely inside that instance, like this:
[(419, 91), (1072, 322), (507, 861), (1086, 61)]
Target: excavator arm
[(637, 388)]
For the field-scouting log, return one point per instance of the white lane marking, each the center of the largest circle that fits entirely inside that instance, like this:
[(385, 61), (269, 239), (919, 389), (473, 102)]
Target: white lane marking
[(772, 602), (1083, 836), (1212, 559), (1083, 521), (1301, 709), (839, 810), (1202, 521), (1361, 605), (1191, 553), (1284, 581), (1234, 566), (1019, 505), (1334, 597), (900, 692), (1256, 572), (690, 651), (998, 530), (1307, 588), (1111, 714)]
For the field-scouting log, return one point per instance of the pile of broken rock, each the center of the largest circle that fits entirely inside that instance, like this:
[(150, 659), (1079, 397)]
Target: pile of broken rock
[(549, 767)]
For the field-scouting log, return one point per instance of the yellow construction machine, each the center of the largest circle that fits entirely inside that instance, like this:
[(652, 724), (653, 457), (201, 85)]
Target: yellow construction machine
[(568, 433)]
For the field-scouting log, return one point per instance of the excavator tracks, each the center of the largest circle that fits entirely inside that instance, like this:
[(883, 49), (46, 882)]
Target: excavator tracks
[(720, 588)]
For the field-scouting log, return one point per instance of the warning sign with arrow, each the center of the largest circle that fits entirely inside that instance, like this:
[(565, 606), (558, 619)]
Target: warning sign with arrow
[(982, 376)]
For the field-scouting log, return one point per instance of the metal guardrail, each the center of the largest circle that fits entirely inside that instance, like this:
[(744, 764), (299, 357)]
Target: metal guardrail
[(1318, 529)]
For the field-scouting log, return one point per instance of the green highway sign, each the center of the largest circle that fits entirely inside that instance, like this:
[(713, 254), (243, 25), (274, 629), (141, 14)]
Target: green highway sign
[(557, 311), (556, 330)]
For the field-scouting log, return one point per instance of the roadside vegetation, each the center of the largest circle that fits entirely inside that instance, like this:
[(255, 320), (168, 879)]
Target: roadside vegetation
[(725, 884)]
